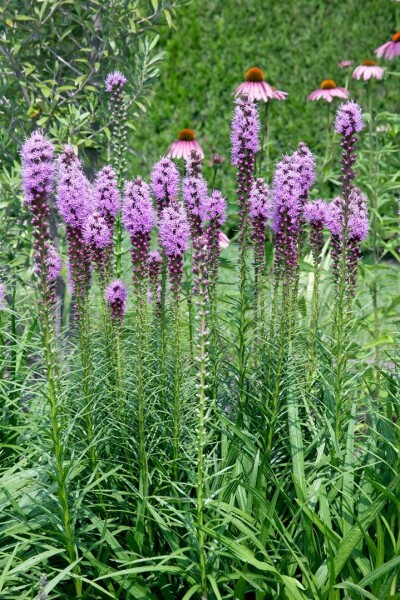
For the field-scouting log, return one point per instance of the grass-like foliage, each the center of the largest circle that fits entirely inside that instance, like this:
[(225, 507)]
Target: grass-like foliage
[(208, 421)]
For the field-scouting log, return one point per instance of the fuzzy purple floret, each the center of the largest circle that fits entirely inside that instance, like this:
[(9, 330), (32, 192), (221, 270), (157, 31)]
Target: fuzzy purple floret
[(96, 232), (316, 213), (37, 167), (54, 264), (216, 208), (245, 129), (74, 192), (174, 229), (260, 200), (137, 211), (357, 223), (106, 195), (304, 162), (165, 182), (195, 196), (116, 295), (115, 81), (349, 119), (287, 192)]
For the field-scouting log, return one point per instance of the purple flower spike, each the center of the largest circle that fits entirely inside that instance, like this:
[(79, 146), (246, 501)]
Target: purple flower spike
[(96, 232), (195, 196), (54, 264), (116, 295), (174, 235), (139, 219), (316, 213), (216, 215), (216, 208), (349, 119), (106, 195), (154, 263), (304, 162), (74, 194), (260, 212), (115, 81), (37, 167), (245, 129), (165, 182)]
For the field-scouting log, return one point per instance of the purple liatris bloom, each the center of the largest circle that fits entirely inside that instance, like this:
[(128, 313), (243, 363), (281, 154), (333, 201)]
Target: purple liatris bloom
[(106, 195), (287, 204), (115, 81), (260, 211), (216, 217), (304, 162), (74, 202), (316, 214), (165, 182), (37, 181), (54, 264), (98, 238), (174, 232), (139, 219), (2, 294), (194, 164), (154, 264), (116, 295), (349, 121), (195, 196)]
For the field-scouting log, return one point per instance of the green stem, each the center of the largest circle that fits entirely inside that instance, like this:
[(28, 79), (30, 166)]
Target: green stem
[(265, 134), (314, 321), (176, 405), (140, 319)]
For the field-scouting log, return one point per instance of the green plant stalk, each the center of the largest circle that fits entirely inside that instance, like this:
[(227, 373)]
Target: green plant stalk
[(271, 340), (214, 338), (176, 402), (120, 379), (119, 117), (265, 134), (84, 342), (163, 325), (242, 316), (140, 317), (202, 376), (314, 320)]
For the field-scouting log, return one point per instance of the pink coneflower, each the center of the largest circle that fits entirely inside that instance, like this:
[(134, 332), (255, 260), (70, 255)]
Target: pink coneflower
[(368, 70), (345, 64), (255, 87), (390, 49), (278, 94), (328, 91), (223, 241), (183, 146)]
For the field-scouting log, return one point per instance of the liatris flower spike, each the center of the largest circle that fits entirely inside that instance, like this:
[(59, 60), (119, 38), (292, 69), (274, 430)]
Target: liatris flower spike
[(316, 214), (216, 216), (116, 295), (245, 130), (345, 64), (107, 200), (98, 237), (154, 264), (164, 182), (304, 162), (174, 235), (54, 264), (390, 49), (256, 88), (368, 70), (328, 91), (115, 82), (183, 146), (195, 196), (139, 219), (260, 212)]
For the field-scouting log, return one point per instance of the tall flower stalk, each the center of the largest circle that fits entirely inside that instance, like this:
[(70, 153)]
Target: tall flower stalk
[(114, 86), (216, 216), (174, 232), (107, 202), (37, 179), (348, 123), (115, 297), (202, 299), (165, 188), (245, 144), (316, 215), (75, 203), (139, 219)]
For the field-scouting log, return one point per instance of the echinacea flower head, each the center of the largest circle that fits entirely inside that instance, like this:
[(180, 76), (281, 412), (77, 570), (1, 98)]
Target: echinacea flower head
[(255, 87), (328, 91), (349, 119), (368, 70), (74, 193), (96, 232), (37, 167), (137, 211), (165, 182), (345, 64), (278, 94), (116, 295), (390, 49), (245, 129), (174, 229), (183, 146), (106, 195), (115, 81), (54, 264)]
